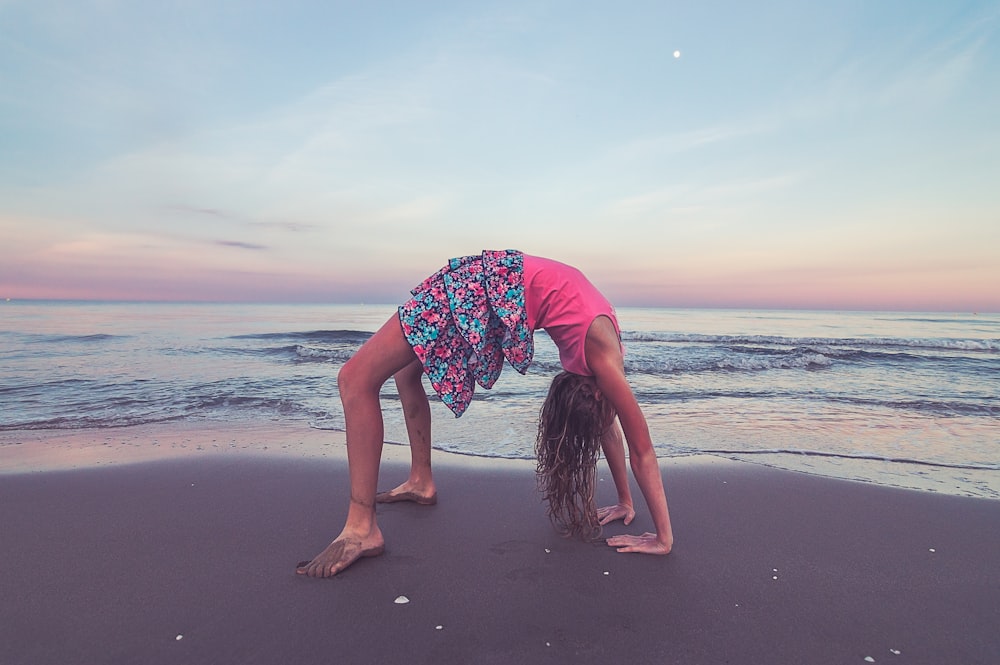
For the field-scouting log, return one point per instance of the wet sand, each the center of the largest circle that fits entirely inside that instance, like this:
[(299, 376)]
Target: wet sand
[(190, 558)]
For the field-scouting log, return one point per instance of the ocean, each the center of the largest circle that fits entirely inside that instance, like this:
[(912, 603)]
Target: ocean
[(904, 399)]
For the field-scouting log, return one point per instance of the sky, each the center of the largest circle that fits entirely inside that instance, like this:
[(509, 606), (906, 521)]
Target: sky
[(821, 155)]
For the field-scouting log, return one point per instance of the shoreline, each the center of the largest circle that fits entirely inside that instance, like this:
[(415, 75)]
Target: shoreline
[(41, 450), (44, 450)]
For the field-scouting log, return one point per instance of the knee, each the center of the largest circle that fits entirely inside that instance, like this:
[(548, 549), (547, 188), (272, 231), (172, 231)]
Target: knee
[(352, 380)]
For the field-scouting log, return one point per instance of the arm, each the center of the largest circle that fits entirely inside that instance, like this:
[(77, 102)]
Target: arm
[(603, 352), (614, 453)]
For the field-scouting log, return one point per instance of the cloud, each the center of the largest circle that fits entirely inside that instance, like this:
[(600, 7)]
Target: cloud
[(212, 212), (647, 202), (671, 143), (932, 78), (928, 65), (750, 187), (695, 198), (240, 244), (230, 217)]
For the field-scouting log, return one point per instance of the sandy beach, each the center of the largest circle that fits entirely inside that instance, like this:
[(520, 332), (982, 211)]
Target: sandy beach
[(187, 555)]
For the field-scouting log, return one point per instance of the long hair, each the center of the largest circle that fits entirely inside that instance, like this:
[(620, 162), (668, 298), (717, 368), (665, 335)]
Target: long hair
[(570, 427)]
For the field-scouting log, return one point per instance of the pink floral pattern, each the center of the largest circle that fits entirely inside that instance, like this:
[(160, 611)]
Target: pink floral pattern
[(463, 320)]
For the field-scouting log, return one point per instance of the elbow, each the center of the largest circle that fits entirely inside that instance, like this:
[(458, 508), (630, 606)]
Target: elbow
[(639, 460)]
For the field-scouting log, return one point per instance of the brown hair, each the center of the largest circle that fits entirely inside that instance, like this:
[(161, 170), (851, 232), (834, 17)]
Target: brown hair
[(570, 427)]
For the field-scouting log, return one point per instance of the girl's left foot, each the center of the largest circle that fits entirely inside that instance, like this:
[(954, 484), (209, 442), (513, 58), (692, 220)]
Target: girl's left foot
[(393, 497), (409, 492)]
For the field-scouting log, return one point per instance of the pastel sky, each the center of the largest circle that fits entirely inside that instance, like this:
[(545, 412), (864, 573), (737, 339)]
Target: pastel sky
[(839, 155)]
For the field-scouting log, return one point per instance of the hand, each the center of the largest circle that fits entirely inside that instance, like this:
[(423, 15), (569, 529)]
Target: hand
[(620, 511), (647, 543)]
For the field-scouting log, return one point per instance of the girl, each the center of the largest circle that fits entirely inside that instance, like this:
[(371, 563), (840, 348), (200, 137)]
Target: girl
[(458, 328)]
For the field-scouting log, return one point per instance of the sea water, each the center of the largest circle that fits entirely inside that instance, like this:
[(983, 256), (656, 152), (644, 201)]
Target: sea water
[(908, 399)]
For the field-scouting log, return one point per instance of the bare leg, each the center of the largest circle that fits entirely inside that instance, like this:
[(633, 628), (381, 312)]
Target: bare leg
[(359, 381), (419, 487)]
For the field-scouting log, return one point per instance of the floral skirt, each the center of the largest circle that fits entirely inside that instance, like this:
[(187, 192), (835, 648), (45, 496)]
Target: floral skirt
[(465, 319)]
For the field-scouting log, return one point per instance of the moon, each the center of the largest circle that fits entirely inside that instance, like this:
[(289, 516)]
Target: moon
[(677, 54)]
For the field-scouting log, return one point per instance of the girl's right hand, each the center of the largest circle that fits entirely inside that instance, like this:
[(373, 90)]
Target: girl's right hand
[(620, 511)]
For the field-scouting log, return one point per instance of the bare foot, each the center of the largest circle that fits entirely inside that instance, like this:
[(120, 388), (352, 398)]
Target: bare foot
[(340, 554), (425, 496)]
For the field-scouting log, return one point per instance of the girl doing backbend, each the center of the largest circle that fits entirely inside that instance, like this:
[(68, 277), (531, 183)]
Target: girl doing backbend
[(459, 327)]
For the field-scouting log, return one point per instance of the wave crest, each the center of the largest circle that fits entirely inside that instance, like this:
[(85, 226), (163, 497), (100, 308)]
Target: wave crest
[(954, 344)]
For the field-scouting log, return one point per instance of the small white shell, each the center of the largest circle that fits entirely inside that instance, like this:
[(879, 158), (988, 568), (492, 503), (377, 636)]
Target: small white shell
[(179, 638), (401, 600)]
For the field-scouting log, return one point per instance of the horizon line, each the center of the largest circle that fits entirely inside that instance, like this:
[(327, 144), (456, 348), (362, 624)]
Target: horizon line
[(778, 308)]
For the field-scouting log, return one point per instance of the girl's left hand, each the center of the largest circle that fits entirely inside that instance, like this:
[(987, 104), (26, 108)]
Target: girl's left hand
[(647, 543), (620, 511)]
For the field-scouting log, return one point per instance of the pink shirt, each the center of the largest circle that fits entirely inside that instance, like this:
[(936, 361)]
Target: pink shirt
[(562, 301)]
